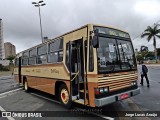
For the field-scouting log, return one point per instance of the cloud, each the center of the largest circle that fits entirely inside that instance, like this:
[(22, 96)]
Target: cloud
[(21, 20)]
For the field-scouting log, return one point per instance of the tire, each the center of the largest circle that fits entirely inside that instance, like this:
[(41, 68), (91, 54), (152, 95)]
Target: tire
[(64, 96), (26, 88)]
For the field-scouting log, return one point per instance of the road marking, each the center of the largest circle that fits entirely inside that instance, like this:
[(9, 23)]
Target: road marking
[(136, 108), (9, 92), (6, 78), (8, 95), (3, 110), (99, 115)]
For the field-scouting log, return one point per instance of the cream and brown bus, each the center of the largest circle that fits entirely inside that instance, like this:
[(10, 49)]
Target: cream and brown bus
[(93, 65)]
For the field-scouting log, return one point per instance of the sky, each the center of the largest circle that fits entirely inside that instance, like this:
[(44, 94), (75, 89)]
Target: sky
[(21, 21)]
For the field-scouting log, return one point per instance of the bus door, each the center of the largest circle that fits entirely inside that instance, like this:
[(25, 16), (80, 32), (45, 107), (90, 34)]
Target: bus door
[(19, 70), (76, 67)]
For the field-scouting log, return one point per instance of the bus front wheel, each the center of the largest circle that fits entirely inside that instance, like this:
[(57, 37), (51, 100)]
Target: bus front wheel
[(64, 96), (26, 88)]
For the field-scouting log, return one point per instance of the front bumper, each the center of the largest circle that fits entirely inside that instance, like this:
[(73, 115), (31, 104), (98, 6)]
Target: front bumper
[(110, 99)]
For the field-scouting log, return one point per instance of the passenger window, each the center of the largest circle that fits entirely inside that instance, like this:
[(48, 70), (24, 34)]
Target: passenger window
[(24, 61), (42, 59), (17, 62), (42, 54), (32, 60), (25, 58), (55, 51), (26, 54), (56, 45), (42, 50), (33, 53)]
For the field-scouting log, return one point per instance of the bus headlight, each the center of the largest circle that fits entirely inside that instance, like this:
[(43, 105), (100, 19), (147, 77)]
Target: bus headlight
[(101, 90), (106, 89), (134, 83)]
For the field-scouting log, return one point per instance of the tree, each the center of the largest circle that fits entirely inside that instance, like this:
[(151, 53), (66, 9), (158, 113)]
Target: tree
[(11, 58), (150, 55), (152, 33), (139, 57)]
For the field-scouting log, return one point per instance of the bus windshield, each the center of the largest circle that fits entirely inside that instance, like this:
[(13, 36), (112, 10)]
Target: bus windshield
[(115, 55)]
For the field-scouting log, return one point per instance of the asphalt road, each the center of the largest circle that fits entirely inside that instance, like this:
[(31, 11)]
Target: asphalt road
[(148, 100), (7, 83)]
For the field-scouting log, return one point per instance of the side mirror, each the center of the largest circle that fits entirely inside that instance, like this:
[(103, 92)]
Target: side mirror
[(95, 42)]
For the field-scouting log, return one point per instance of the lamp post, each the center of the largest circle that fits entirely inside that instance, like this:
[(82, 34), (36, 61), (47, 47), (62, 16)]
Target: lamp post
[(39, 4)]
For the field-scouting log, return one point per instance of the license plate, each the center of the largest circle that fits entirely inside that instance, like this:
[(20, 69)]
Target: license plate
[(124, 96)]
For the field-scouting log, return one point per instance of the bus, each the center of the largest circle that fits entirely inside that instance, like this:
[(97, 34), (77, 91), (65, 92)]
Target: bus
[(93, 65)]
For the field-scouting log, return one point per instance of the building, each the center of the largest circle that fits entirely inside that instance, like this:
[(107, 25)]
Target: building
[(9, 49), (2, 56)]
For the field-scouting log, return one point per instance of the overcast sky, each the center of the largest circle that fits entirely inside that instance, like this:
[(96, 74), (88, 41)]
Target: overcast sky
[(21, 20)]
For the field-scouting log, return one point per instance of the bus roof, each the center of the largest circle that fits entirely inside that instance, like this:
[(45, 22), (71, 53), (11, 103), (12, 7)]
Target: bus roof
[(99, 25)]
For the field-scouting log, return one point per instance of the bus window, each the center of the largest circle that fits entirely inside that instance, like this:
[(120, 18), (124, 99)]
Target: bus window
[(32, 61), (56, 46), (26, 54), (91, 58), (25, 58), (17, 62), (24, 61), (32, 55), (85, 45), (42, 49), (67, 56), (42, 59), (55, 51), (42, 54), (53, 57)]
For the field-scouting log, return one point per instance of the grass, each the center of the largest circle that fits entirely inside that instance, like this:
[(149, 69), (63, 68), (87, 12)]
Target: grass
[(5, 73)]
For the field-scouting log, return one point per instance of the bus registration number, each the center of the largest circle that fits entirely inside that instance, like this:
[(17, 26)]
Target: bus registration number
[(124, 96)]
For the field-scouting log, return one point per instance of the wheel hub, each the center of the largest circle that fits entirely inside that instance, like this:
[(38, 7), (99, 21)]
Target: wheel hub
[(25, 85), (64, 96)]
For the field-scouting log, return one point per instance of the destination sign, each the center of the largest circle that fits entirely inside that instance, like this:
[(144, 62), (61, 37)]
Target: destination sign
[(110, 31)]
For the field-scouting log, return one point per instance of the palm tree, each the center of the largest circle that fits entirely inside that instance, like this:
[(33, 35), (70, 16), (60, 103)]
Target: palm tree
[(152, 33)]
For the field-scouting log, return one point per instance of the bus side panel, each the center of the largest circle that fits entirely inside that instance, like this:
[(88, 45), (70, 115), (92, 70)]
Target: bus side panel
[(48, 85), (42, 84), (31, 81), (45, 84), (92, 84)]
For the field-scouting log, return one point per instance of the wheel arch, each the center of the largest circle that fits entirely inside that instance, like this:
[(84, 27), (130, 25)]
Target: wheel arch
[(57, 86)]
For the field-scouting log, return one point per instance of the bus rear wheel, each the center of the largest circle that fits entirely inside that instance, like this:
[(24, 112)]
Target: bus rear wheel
[(26, 88), (64, 96)]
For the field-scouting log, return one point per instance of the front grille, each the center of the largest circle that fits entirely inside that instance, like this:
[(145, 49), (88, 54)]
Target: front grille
[(117, 81)]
